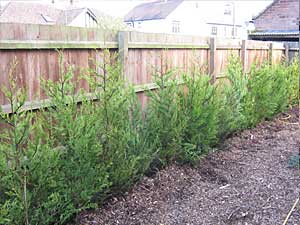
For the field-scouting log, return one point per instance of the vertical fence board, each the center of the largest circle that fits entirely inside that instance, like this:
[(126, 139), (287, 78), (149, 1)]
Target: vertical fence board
[(286, 52), (244, 54), (33, 72), (44, 70), (222, 59), (271, 53), (5, 63), (212, 58), (123, 52)]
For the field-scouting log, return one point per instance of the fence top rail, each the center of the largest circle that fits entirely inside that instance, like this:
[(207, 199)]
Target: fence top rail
[(163, 38), (49, 44), (42, 44), (37, 32), (37, 36)]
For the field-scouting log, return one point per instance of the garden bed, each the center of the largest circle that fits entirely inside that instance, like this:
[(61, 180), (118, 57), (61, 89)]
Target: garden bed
[(253, 180)]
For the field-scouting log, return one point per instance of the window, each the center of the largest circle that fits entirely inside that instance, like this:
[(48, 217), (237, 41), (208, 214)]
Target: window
[(176, 27), (214, 30)]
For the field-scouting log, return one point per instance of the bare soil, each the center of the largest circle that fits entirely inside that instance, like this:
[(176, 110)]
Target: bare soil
[(254, 179)]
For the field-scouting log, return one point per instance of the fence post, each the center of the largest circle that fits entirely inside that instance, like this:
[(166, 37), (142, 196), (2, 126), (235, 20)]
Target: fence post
[(271, 53), (123, 52), (212, 58), (286, 52), (244, 54)]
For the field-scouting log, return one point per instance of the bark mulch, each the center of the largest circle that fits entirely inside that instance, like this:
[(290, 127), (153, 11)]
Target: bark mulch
[(253, 180)]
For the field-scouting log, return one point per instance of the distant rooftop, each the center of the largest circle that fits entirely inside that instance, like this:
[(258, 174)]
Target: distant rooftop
[(37, 13), (153, 10), (265, 9)]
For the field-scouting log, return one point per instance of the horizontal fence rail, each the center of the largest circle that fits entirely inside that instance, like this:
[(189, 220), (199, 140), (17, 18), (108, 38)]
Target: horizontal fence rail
[(34, 47)]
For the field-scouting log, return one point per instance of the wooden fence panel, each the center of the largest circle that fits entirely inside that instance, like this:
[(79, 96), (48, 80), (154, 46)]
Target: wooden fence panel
[(11, 31), (5, 65), (142, 54), (278, 52), (33, 66), (292, 53), (222, 60), (256, 56), (144, 63), (293, 50), (278, 56)]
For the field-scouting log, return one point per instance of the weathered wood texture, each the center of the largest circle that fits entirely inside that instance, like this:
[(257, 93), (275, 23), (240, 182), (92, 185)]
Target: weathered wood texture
[(34, 47), (33, 32), (33, 66), (293, 50)]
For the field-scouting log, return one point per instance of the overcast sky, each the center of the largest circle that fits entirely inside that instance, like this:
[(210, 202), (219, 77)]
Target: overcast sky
[(245, 10)]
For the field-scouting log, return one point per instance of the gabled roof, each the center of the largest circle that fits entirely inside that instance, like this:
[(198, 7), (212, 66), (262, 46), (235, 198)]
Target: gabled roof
[(268, 7), (34, 13), (97, 13), (153, 10)]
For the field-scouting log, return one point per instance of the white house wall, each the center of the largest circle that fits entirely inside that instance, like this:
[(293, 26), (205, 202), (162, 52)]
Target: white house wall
[(154, 26), (189, 16), (195, 18), (79, 21)]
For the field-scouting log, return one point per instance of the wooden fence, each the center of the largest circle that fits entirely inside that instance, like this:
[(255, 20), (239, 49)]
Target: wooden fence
[(141, 54)]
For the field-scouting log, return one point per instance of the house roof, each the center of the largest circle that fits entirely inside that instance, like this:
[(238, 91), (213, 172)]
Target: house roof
[(268, 7), (153, 10), (34, 13)]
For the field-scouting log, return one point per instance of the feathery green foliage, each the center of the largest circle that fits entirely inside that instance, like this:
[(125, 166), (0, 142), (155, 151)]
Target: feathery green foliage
[(256, 95), (16, 155), (120, 128), (198, 106), (231, 94), (163, 121), (70, 156)]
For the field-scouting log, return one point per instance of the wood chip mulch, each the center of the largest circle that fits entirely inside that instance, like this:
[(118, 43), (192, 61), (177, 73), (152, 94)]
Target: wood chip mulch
[(253, 180)]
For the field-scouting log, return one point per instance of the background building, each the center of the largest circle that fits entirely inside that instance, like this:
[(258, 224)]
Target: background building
[(277, 22), (35, 13), (206, 18)]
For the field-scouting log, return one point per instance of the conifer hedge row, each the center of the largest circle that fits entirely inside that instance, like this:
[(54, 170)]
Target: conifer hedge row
[(66, 158)]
